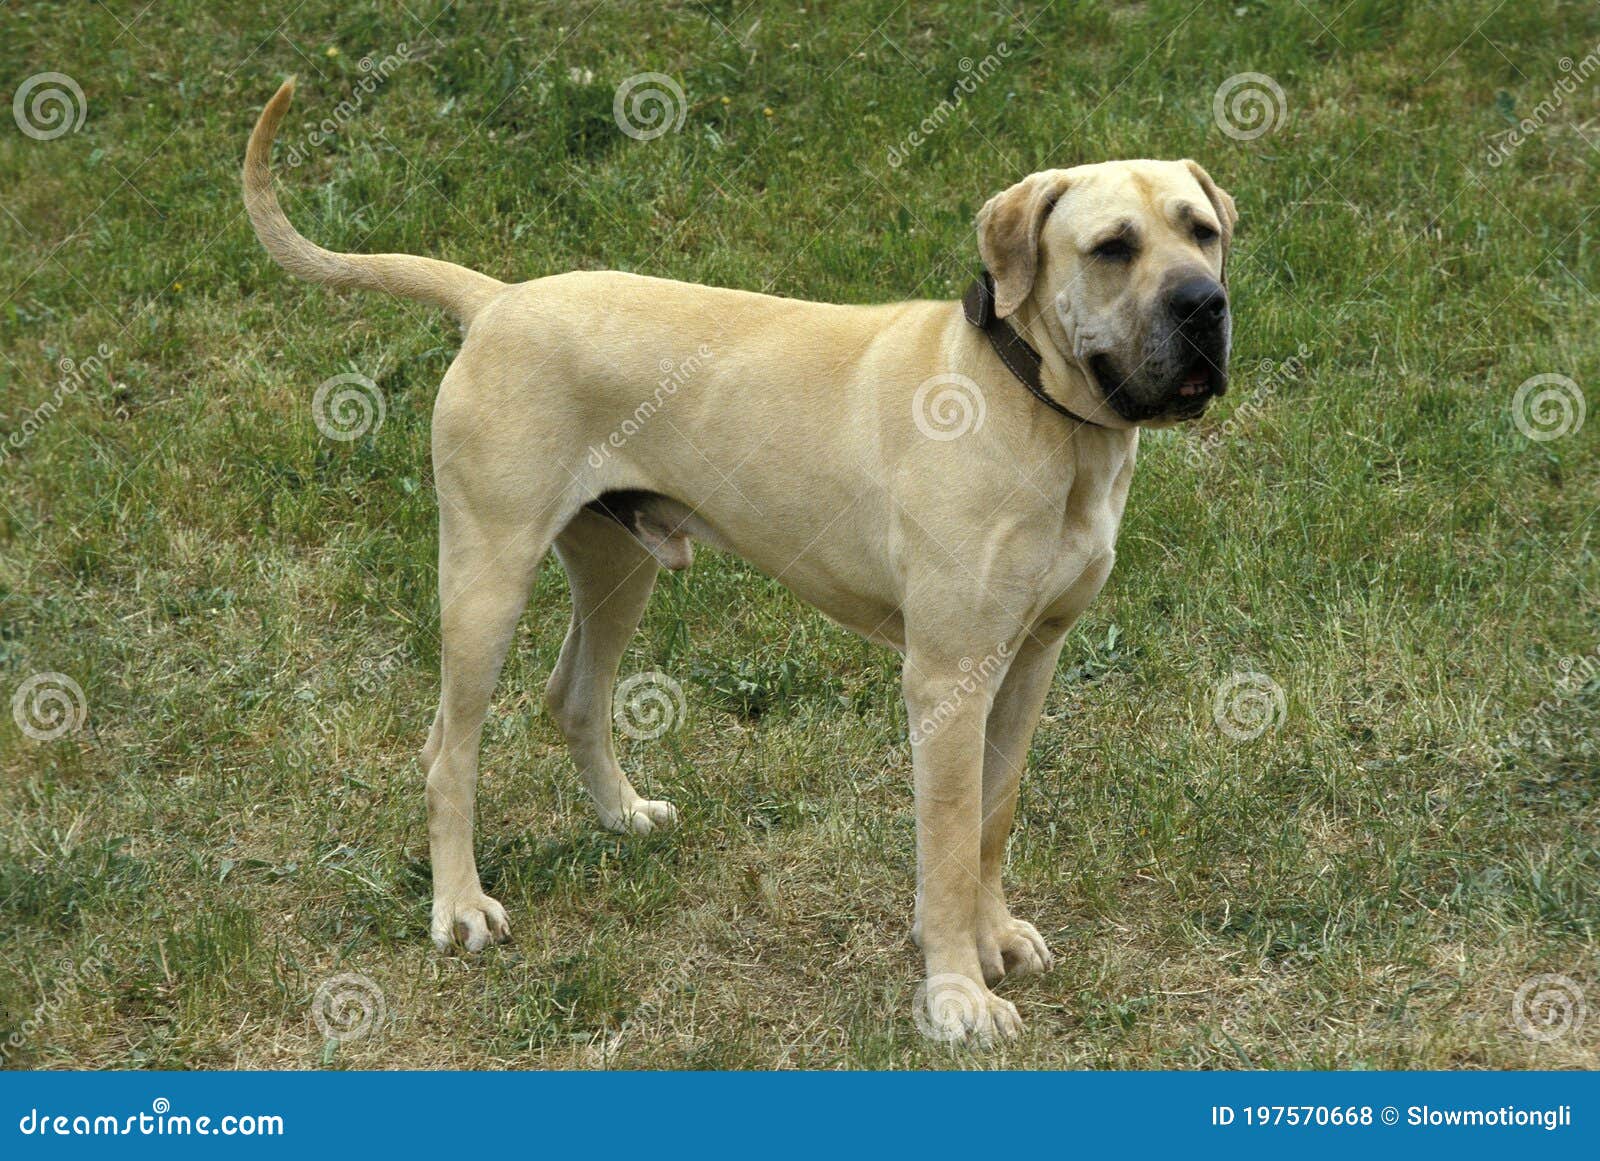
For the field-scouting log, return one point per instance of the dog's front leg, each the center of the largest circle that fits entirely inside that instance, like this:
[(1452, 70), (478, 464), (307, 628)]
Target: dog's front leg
[(948, 708), (1006, 943)]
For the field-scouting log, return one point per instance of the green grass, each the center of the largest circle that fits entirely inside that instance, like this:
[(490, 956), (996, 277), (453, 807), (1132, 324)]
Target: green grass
[(250, 608)]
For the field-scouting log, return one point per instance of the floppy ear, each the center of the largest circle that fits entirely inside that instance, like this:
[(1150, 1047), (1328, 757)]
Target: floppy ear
[(1222, 203), (1008, 235)]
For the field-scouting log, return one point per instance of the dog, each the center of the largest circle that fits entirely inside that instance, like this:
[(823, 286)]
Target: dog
[(821, 443)]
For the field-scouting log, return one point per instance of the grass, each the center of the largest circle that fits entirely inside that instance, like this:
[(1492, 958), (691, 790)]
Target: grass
[(250, 607)]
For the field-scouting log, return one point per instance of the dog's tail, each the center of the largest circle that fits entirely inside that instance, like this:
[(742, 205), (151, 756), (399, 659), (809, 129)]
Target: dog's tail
[(454, 288)]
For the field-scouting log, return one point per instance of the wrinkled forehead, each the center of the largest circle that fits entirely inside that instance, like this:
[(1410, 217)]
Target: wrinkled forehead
[(1104, 198)]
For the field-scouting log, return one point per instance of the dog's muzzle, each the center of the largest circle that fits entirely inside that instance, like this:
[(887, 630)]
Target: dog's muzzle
[(1184, 364)]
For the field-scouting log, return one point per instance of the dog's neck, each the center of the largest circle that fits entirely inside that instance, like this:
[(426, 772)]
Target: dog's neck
[(1062, 376)]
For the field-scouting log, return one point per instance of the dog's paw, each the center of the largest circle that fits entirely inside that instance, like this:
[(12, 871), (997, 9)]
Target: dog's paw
[(1011, 946), (955, 1009), (643, 817), (471, 922)]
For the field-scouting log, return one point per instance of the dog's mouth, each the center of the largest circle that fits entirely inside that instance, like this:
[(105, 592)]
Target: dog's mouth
[(1186, 397), (1201, 380)]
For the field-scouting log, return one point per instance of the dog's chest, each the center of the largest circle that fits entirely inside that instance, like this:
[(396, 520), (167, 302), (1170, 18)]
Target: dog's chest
[(1086, 547)]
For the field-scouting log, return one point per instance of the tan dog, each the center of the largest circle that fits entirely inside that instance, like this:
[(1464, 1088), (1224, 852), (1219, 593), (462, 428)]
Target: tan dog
[(616, 418)]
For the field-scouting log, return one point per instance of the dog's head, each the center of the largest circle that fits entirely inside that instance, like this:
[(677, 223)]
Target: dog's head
[(1126, 265)]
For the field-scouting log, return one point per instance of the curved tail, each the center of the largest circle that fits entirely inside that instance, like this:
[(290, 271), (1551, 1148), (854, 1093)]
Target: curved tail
[(454, 288)]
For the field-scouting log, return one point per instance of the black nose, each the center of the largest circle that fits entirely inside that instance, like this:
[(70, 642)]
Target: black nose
[(1198, 300)]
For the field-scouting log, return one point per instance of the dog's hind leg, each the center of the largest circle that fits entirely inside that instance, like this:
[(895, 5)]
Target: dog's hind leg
[(486, 570), (611, 576)]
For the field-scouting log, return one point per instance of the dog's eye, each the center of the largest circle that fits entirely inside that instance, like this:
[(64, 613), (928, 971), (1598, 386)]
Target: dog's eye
[(1204, 233), (1113, 250)]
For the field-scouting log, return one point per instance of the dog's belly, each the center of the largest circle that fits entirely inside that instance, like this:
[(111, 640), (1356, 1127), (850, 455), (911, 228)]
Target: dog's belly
[(836, 584)]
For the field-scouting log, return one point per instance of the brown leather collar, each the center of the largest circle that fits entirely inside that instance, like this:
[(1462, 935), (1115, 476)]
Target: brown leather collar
[(1020, 358)]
